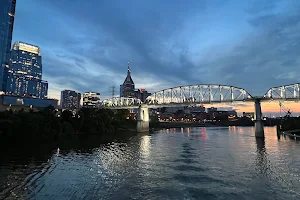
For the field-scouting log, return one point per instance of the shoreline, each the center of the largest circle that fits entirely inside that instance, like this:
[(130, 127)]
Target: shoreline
[(183, 125)]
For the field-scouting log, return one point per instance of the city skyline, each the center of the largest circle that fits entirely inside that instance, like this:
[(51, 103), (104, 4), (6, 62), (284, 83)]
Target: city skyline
[(248, 45)]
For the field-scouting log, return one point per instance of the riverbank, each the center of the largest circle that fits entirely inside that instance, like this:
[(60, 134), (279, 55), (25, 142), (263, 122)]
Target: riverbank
[(291, 123), (196, 124), (65, 142), (243, 122), (184, 124), (48, 126)]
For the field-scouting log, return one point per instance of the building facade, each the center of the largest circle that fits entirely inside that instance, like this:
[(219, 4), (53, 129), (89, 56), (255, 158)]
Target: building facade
[(70, 100), (7, 16), (91, 99), (141, 94), (249, 114), (212, 109), (121, 90), (127, 89), (26, 103), (24, 75), (197, 109)]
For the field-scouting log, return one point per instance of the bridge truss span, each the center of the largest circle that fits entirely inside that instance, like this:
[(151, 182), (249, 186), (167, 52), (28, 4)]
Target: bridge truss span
[(285, 93), (198, 94), (121, 102)]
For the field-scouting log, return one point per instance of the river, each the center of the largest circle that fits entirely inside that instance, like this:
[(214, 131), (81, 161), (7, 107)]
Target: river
[(181, 163)]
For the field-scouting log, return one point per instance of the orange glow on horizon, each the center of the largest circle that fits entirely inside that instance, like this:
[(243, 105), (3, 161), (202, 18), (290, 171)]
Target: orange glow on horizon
[(272, 106)]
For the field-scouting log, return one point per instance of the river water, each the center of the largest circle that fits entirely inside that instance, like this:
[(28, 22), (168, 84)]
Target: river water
[(182, 163)]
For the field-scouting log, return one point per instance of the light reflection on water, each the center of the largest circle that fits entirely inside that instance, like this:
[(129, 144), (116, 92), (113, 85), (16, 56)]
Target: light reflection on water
[(182, 163)]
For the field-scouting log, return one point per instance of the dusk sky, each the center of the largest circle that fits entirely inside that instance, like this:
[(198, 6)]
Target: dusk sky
[(86, 44)]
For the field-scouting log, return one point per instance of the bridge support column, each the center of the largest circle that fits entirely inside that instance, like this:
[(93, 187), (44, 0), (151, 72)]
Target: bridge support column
[(143, 119), (259, 126)]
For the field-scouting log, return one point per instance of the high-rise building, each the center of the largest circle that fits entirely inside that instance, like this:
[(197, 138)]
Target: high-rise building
[(26, 60), (24, 75), (127, 89), (70, 100), (91, 99), (7, 16)]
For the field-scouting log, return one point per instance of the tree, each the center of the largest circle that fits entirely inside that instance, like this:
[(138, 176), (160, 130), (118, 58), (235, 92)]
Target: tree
[(66, 115)]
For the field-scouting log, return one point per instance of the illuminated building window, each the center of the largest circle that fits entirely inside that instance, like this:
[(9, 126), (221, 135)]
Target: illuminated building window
[(26, 71)]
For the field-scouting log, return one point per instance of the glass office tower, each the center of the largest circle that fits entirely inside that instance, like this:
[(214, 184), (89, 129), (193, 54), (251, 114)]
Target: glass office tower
[(25, 72), (26, 60), (7, 15)]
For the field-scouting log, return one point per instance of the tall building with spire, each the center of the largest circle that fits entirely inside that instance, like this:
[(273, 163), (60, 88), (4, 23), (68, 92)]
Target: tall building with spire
[(127, 88)]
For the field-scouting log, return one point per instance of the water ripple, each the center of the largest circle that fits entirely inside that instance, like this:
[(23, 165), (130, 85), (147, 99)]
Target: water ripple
[(172, 164)]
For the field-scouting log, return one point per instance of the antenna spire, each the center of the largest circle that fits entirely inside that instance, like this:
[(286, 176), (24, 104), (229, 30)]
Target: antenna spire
[(129, 70)]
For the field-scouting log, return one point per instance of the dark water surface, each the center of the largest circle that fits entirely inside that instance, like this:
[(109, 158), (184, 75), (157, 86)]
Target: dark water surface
[(187, 163)]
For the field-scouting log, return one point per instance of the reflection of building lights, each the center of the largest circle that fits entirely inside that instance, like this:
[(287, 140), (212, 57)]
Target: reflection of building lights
[(145, 145), (240, 130), (20, 101), (233, 129), (188, 130)]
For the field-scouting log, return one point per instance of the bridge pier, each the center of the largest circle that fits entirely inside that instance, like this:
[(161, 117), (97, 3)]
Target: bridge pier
[(259, 126), (143, 118)]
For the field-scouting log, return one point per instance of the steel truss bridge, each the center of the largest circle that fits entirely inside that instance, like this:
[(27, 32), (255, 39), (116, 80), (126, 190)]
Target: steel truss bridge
[(203, 94)]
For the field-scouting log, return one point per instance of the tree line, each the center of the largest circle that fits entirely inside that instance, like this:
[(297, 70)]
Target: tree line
[(50, 124)]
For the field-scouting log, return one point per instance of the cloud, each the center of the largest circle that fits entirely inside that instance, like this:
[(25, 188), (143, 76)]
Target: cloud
[(86, 44), (267, 57)]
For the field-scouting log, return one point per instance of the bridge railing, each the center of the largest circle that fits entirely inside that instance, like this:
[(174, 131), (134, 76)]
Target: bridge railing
[(285, 92), (198, 94), (118, 102), (204, 94)]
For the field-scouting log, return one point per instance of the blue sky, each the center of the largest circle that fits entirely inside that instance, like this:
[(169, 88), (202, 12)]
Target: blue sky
[(86, 44)]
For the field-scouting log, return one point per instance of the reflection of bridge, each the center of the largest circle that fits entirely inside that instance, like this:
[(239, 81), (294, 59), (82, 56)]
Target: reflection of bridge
[(205, 94)]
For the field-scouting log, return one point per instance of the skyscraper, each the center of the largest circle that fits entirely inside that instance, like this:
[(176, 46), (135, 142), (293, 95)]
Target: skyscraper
[(26, 60), (70, 100), (7, 16), (24, 75), (127, 89)]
